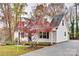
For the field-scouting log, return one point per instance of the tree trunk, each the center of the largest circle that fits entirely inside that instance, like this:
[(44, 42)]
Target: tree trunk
[(76, 22)]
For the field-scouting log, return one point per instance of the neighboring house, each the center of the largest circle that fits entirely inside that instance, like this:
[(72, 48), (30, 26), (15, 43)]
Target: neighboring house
[(59, 32)]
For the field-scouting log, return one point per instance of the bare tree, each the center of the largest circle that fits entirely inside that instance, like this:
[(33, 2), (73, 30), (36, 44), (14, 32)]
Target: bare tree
[(40, 11), (12, 14), (18, 10), (7, 16), (55, 9)]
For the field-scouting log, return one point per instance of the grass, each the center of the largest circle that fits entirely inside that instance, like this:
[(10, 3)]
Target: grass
[(12, 50)]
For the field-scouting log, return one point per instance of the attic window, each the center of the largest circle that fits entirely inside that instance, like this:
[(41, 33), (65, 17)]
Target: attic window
[(62, 22), (44, 35), (64, 33)]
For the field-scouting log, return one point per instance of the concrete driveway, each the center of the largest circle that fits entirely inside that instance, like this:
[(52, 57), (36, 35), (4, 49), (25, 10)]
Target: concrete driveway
[(69, 48)]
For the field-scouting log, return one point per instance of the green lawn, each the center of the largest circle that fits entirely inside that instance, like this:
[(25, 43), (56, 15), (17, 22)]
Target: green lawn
[(14, 50)]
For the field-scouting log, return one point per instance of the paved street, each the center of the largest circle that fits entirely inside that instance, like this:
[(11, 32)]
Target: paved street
[(69, 48)]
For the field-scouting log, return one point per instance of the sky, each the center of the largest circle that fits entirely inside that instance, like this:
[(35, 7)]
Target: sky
[(68, 4), (29, 9)]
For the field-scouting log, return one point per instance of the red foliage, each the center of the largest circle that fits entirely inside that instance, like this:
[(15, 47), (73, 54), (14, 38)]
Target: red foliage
[(35, 26)]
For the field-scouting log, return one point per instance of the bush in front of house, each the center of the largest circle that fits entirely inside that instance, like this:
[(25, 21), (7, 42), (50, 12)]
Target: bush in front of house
[(10, 43), (35, 43), (39, 43)]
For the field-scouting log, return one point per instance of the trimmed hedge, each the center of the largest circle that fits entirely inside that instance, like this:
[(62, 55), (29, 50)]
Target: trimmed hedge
[(35, 43)]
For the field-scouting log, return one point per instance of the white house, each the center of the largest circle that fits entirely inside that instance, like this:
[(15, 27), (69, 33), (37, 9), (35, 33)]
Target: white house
[(58, 34)]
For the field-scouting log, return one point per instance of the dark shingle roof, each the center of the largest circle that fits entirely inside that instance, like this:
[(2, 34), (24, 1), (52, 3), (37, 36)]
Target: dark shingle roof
[(56, 20)]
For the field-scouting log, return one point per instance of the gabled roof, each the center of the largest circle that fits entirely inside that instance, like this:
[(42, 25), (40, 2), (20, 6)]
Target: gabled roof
[(56, 20)]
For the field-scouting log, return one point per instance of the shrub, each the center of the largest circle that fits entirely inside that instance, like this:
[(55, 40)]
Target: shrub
[(35, 43), (9, 43)]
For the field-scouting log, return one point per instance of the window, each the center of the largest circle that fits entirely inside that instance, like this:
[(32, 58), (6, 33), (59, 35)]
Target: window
[(62, 22), (40, 34), (47, 35), (21, 34), (64, 33), (44, 35)]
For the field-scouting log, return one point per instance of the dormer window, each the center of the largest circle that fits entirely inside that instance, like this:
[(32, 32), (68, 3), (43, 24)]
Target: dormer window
[(64, 33)]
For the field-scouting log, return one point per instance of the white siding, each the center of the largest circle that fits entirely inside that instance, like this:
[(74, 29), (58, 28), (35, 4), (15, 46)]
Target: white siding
[(60, 33), (43, 40), (16, 35), (51, 37), (54, 37)]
